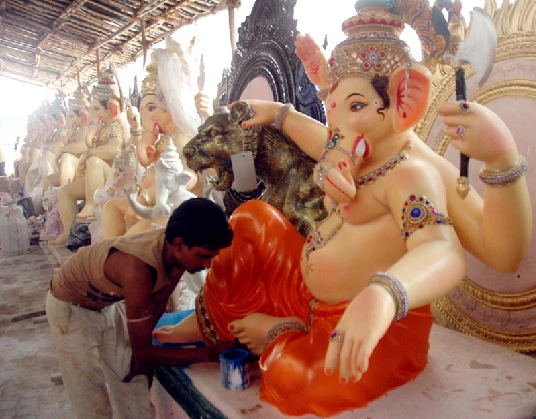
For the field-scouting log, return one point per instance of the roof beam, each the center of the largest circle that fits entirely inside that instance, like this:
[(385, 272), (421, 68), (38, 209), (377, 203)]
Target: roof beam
[(56, 27)]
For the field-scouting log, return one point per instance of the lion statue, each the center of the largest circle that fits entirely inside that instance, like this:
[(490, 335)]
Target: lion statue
[(284, 171)]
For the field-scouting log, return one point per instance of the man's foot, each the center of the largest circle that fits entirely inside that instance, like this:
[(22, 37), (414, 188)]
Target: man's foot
[(87, 212), (62, 239), (184, 332), (253, 329)]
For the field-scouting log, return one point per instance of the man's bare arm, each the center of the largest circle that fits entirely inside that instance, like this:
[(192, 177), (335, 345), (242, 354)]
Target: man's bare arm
[(135, 278)]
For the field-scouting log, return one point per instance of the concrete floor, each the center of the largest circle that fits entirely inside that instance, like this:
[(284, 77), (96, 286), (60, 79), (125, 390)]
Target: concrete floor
[(28, 363), (27, 354)]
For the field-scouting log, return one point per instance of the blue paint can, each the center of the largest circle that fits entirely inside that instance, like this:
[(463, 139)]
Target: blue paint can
[(234, 369)]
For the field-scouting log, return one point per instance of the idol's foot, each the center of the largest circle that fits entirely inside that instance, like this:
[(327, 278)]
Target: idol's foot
[(253, 329), (62, 239), (184, 332), (87, 212)]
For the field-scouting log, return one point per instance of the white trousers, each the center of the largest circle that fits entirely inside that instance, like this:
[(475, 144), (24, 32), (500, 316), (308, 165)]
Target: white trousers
[(94, 356)]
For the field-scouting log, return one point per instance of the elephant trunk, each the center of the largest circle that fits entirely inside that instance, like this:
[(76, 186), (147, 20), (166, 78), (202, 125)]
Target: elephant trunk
[(143, 211)]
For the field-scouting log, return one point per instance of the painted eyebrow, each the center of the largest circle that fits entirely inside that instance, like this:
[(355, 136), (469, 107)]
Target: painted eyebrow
[(354, 94)]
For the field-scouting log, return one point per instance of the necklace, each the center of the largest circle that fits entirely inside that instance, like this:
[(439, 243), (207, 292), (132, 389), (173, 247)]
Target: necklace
[(371, 177), (161, 142), (316, 240)]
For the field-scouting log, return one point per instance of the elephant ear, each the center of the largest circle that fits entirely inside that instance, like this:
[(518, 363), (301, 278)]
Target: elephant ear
[(113, 108), (409, 94)]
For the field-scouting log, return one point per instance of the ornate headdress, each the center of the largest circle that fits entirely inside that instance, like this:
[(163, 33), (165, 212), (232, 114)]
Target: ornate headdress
[(149, 83), (57, 107), (168, 77), (108, 86), (373, 46), (79, 99)]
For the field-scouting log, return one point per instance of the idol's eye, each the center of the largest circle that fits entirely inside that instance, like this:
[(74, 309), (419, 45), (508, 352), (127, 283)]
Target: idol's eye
[(151, 108), (357, 106)]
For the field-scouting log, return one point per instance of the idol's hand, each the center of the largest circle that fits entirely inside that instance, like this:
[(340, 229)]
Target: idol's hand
[(133, 117), (479, 133), (264, 112), (361, 327), (131, 217), (313, 60), (203, 105)]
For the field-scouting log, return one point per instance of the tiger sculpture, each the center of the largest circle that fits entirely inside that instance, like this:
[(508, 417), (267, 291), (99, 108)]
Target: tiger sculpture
[(284, 171)]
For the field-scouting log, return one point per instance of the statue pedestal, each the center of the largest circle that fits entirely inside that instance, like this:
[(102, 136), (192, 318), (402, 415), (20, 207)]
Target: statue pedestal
[(465, 378)]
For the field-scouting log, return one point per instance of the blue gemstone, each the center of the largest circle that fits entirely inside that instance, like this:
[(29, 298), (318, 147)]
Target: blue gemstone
[(416, 212), (372, 57)]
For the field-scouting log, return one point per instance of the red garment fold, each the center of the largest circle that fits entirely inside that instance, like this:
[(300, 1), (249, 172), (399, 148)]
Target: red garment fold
[(260, 273)]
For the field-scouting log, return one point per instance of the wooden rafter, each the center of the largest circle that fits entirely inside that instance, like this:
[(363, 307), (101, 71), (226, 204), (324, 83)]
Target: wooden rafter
[(45, 42)]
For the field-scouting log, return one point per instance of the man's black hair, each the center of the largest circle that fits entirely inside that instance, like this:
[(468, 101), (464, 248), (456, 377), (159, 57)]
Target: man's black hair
[(199, 222)]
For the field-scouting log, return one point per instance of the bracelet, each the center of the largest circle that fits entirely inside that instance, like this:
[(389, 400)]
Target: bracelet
[(281, 328), (504, 177), (136, 132), (282, 115), (322, 94), (139, 320), (397, 291)]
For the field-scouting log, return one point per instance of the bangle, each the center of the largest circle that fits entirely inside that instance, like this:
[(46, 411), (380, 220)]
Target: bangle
[(282, 115), (142, 319), (504, 177), (322, 94), (135, 132), (281, 328), (397, 291)]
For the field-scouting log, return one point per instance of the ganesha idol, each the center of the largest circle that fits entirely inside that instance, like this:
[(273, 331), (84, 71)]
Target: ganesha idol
[(342, 317), (167, 114)]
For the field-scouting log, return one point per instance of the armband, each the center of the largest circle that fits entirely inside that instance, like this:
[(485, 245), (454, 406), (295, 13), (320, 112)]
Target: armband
[(418, 212)]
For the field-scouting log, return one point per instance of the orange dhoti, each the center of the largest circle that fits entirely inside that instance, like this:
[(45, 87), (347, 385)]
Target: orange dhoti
[(260, 273), (294, 364)]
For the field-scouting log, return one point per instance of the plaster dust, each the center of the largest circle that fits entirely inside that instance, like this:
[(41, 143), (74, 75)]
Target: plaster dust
[(27, 354)]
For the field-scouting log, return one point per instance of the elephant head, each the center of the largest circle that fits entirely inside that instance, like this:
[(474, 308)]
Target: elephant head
[(171, 180)]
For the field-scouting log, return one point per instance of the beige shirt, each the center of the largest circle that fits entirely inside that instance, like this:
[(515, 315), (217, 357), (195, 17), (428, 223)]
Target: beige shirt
[(81, 279)]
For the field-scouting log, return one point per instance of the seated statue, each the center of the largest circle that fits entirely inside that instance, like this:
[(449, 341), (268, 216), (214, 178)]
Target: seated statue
[(46, 128), (63, 133), (95, 163), (78, 123), (166, 113), (346, 319), (33, 125)]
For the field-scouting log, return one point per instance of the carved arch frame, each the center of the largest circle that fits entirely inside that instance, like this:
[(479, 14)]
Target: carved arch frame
[(472, 308), (265, 48)]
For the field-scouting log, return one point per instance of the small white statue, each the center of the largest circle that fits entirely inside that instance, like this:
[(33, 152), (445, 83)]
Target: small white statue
[(171, 180)]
